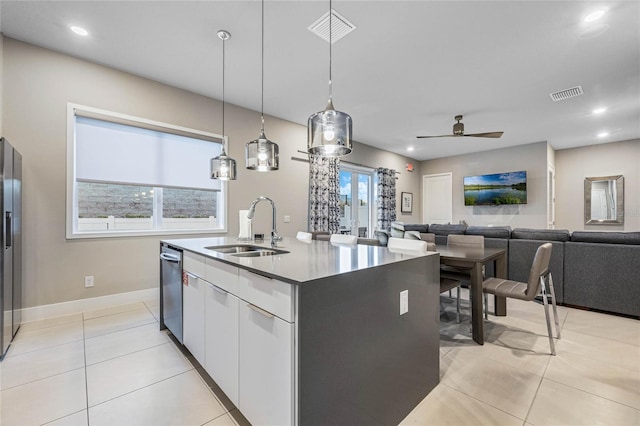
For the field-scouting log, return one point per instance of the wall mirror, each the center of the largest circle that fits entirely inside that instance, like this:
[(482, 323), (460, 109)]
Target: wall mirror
[(604, 200)]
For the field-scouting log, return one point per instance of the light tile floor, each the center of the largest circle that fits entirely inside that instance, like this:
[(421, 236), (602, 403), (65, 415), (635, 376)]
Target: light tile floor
[(114, 367)]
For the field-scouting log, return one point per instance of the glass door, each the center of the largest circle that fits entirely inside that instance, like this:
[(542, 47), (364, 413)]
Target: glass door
[(356, 201)]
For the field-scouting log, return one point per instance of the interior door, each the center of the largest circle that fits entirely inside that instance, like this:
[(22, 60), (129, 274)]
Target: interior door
[(437, 205)]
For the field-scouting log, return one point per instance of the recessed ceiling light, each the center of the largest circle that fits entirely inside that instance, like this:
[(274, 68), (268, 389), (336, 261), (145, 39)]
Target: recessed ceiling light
[(410, 148), (599, 110), (79, 30), (596, 14), (603, 134)]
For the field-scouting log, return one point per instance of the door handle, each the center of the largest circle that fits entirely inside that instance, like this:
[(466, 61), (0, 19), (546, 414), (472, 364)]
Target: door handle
[(7, 230), (169, 257)]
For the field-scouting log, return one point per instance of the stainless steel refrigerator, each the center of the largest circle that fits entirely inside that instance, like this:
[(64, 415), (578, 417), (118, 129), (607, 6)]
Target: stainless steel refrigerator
[(11, 257)]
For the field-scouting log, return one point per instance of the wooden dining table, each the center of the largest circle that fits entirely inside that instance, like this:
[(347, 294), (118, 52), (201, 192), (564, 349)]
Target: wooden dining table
[(472, 258)]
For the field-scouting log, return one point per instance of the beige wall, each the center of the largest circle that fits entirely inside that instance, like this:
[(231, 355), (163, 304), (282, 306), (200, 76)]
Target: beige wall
[(573, 165), (532, 157), (41, 82)]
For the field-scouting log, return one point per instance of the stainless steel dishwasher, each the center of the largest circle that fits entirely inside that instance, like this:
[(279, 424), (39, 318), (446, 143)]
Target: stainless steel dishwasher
[(171, 290)]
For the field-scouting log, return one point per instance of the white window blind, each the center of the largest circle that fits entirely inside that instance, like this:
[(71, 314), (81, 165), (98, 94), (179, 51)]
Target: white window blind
[(112, 152)]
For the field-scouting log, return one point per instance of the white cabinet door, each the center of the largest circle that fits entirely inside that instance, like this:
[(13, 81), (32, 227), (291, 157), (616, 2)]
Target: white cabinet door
[(193, 316), (268, 293), (266, 367), (221, 339)]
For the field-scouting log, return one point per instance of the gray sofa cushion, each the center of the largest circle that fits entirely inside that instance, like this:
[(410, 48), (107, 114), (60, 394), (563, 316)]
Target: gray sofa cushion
[(541, 234), (603, 276), (606, 237), (490, 231), (521, 254), (446, 229), (417, 227)]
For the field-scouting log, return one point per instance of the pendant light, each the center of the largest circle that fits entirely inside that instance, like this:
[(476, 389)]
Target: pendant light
[(262, 154), (329, 131), (223, 167)]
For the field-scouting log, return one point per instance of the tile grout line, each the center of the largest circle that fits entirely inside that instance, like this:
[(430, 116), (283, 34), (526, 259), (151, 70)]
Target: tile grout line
[(43, 378), (135, 390), (128, 353), (533, 400), (482, 402), (124, 329), (540, 377), (591, 393)]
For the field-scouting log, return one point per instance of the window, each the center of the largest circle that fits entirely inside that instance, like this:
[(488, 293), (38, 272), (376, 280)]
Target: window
[(130, 176)]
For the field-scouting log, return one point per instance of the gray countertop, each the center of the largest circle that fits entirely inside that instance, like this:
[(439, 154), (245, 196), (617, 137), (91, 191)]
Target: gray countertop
[(306, 261)]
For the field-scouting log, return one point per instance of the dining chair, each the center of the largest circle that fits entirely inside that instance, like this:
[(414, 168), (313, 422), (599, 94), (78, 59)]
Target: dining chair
[(344, 239), (404, 245), (540, 282), (304, 236), (457, 274)]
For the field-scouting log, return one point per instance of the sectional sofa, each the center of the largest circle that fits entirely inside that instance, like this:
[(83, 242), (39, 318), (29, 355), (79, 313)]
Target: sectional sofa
[(597, 270)]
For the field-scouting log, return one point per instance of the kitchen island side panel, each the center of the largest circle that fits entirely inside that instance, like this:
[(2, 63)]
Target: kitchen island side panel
[(360, 361)]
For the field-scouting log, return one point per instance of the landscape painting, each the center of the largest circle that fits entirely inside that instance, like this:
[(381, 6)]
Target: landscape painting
[(496, 189)]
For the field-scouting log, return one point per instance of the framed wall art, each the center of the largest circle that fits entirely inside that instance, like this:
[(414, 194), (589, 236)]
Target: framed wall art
[(406, 202)]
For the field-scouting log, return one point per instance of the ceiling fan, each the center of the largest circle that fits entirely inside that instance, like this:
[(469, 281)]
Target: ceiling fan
[(458, 130)]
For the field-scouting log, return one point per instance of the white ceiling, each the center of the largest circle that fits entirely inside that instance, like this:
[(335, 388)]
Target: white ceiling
[(406, 70)]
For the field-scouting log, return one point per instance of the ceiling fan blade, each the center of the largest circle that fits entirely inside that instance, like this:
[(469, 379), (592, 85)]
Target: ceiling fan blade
[(441, 136), (486, 135)]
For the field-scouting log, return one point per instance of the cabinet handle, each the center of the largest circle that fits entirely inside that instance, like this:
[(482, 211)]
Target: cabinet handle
[(218, 289), (191, 275), (260, 275), (260, 311)]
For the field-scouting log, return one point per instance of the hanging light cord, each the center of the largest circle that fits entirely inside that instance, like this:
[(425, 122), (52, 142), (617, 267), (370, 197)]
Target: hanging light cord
[(262, 71), (330, 40), (223, 43)]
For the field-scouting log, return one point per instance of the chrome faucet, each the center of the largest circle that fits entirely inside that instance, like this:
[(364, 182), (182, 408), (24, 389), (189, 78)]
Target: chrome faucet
[(252, 211)]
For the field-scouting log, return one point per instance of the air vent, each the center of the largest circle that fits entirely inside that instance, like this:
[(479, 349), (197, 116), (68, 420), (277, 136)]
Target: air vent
[(340, 27), (566, 94)]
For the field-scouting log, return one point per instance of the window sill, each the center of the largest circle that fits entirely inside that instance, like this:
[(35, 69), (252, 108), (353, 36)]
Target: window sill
[(149, 233)]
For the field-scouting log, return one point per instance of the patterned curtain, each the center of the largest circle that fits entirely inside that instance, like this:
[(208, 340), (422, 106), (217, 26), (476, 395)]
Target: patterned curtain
[(324, 194), (386, 198)]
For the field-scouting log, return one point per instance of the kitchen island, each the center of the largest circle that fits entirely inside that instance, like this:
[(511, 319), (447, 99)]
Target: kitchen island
[(314, 335)]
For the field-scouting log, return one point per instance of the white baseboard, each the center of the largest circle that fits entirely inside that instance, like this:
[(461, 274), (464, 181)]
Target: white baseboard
[(74, 306)]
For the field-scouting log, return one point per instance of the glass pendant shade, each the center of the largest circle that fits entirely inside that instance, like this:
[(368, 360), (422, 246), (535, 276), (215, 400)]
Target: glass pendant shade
[(262, 154), (223, 167), (329, 133)]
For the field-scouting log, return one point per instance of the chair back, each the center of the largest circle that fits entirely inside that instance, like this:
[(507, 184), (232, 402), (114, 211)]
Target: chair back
[(304, 236), (344, 239), (465, 240), (539, 268), (403, 245)]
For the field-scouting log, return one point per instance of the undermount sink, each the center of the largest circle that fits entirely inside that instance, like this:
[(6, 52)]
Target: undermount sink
[(244, 250)]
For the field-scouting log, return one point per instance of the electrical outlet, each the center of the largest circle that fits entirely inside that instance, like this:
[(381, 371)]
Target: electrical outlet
[(88, 281), (287, 219), (404, 302)]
